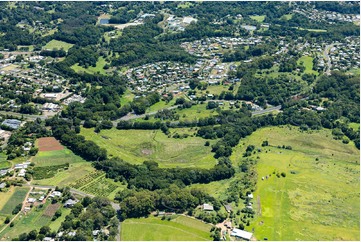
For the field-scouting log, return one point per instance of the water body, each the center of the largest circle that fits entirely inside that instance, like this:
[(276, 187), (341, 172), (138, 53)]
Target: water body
[(104, 21)]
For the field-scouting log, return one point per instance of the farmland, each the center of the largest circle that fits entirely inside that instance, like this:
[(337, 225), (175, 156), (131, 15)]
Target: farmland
[(49, 144), (3, 162), (293, 208), (179, 228), (56, 44), (56, 157), (16, 198), (136, 146), (258, 18), (308, 64)]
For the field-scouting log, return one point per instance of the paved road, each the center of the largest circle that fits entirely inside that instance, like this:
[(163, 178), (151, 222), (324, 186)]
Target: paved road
[(268, 110)]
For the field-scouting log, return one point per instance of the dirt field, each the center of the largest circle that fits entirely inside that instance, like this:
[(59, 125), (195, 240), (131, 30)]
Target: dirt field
[(51, 209), (49, 144)]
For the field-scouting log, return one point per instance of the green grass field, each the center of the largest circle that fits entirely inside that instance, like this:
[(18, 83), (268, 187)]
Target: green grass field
[(55, 225), (66, 177), (136, 146), (258, 18), (354, 126), (308, 64), (160, 105), (180, 228), (16, 198), (319, 200), (196, 112), (56, 44), (3, 162), (287, 16), (98, 68), (56, 157)]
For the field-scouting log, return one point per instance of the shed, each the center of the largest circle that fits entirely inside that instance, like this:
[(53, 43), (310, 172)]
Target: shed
[(207, 207), (241, 234), (228, 207)]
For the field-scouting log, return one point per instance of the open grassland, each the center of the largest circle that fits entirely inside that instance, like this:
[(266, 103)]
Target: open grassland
[(258, 18), (318, 199), (5, 196), (10, 202), (56, 44), (136, 146), (180, 228), (91, 70), (25, 223), (56, 157), (287, 16), (66, 177), (55, 225), (195, 112), (160, 105), (3, 162), (354, 126), (127, 97), (308, 64)]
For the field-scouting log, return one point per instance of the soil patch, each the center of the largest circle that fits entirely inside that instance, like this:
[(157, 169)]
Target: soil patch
[(49, 144)]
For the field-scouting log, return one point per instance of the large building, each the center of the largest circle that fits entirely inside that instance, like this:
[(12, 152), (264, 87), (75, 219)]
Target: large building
[(12, 123)]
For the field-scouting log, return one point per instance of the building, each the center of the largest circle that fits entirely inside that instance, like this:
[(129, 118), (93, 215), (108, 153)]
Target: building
[(69, 203), (241, 234), (228, 207), (2, 185), (12, 123), (22, 173), (55, 194), (31, 200), (207, 207)]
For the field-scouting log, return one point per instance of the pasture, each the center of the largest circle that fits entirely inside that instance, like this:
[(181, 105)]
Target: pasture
[(91, 70), (3, 162), (258, 18), (287, 16), (319, 197), (55, 157), (9, 203), (308, 64), (136, 146), (181, 228), (56, 44), (66, 177)]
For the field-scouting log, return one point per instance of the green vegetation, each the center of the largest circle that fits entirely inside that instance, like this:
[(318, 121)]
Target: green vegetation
[(43, 172), (308, 64), (3, 162), (258, 18), (292, 207), (66, 177), (55, 225), (354, 126), (185, 5), (56, 157), (136, 146), (99, 68), (56, 44), (16, 198), (287, 17), (178, 228)]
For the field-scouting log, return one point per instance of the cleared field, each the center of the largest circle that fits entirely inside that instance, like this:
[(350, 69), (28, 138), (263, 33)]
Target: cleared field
[(3, 162), (98, 68), (308, 64), (287, 16), (136, 146), (68, 176), (5, 196), (319, 197), (160, 105), (56, 157), (354, 126), (181, 228), (56, 44), (11, 202), (127, 97), (258, 18), (49, 144), (195, 112), (55, 225)]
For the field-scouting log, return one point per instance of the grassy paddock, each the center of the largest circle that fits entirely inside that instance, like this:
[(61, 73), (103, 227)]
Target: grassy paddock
[(3, 162), (136, 146), (308, 64), (56, 44), (98, 68), (16, 198), (319, 197), (56, 157), (180, 228), (258, 18)]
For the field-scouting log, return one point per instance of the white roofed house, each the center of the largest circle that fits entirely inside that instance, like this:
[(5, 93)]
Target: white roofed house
[(241, 234), (207, 207)]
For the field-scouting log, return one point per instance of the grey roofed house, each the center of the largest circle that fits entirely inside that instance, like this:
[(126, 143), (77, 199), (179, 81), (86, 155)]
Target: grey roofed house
[(2, 185), (12, 123), (70, 203), (228, 207), (207, 207)]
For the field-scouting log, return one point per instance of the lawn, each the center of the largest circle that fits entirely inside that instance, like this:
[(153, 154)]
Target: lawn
[(354, 126), (55, 225), (66, 177), (319, 197), (3, 162), (180, 228), (287, 16), (16, 198), (308, 64), (136, 146), (56, 157), (98, 68), (258, 18), (56, 44)]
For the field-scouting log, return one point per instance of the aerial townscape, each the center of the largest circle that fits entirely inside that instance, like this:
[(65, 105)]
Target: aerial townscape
[(179, 120)]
